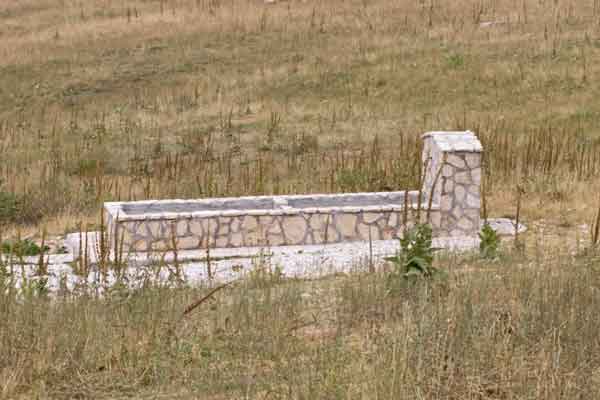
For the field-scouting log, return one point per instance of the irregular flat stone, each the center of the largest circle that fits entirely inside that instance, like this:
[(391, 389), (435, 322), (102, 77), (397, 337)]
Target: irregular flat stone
[(504, 226), (188, 243), (449, 186), (295, 229), (459, 193), (346, 224), (473, 160), (465, 224), (462, 177), (182, 228), (472, 201), (476, 175)]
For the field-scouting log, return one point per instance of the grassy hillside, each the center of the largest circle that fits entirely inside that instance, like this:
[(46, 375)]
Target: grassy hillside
[(104, 100)]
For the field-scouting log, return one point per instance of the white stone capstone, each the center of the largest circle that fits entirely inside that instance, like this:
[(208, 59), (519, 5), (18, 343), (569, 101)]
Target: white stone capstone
[(455, 141), (456, 161)]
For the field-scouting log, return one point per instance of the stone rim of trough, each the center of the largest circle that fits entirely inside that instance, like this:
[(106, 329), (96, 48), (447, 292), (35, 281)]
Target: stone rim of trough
[(455, 141), (115, 209)]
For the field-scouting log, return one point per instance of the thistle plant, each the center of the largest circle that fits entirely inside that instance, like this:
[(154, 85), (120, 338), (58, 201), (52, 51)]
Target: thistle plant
[(488, 247), (416, 254)]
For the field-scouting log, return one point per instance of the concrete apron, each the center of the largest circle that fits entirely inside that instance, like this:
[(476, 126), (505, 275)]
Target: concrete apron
[(223, 265)]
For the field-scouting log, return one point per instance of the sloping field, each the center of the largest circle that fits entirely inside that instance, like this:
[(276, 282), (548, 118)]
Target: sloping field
[(105, 100)]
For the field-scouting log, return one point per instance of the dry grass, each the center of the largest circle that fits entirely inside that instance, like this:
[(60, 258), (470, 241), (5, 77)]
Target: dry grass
[(522, 327), (107, 100)]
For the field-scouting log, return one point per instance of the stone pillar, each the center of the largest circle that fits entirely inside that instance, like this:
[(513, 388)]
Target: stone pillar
[(452, 179)]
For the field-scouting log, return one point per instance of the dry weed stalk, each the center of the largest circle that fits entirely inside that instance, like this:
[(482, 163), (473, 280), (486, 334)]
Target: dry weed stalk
[(595, 228), (434, 185), (519, 192), (198, 302)]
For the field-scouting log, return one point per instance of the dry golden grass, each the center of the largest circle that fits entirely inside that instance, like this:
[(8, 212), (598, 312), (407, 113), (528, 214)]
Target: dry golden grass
[(103, 100), (521, 327), (93, 92)]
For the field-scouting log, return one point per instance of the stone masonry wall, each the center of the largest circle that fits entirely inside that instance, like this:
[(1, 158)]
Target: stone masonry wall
[(264, 230)]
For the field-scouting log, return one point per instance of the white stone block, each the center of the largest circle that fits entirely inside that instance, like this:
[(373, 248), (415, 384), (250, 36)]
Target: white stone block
[(457, 212), (459, 193), (465, 224), (435, 219), (189, 242), (369, 218), (447, 171), (476, 175), (182, 228), (449, 186), (475, 190), (473, 160), (462, 177), (456, 161), (473, 201), (456, 232), (454, 141), (446, 203), (473, 215)]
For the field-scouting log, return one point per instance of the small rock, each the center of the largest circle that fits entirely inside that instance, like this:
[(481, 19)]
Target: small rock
[(504, 226)]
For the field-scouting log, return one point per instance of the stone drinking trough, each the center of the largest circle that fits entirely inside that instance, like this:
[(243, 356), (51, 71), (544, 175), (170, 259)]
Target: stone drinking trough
[(450, 202)]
